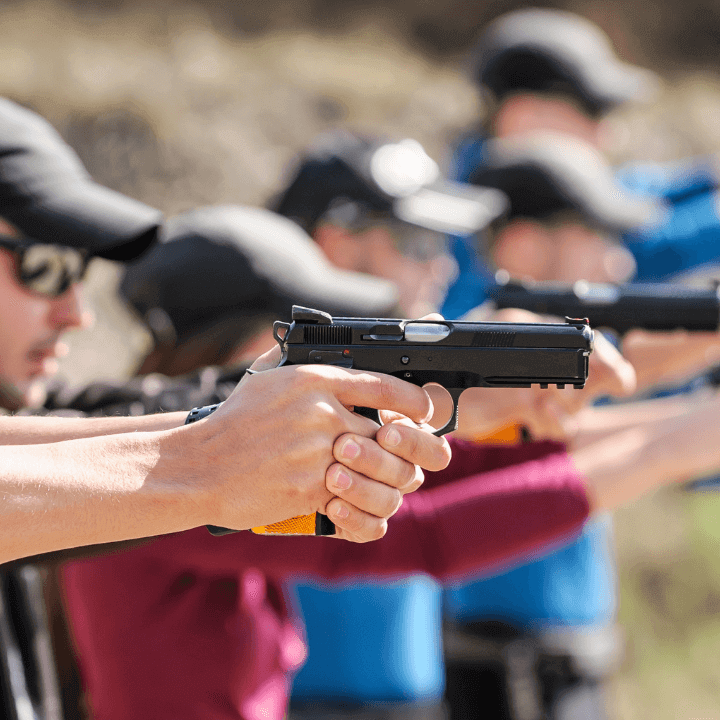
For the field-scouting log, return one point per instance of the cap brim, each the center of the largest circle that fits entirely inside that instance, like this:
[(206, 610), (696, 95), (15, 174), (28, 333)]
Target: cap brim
[(90, 216), (566, 172), (297, 269), (453, 208), (617, 83), (346, 294)]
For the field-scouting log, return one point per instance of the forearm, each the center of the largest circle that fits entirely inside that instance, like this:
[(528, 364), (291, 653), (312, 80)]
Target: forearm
[(94, 490), (596, 423), (34, 430), (670, 357), (621, 467)]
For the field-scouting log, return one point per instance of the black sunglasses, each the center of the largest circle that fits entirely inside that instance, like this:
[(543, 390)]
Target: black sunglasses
[(48, 270)]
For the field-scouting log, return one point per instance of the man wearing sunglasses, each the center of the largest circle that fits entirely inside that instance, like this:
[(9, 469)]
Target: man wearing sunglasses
[(41, 300)]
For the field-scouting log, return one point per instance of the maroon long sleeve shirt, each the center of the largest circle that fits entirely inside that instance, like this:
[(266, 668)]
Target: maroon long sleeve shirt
[(192, 626)]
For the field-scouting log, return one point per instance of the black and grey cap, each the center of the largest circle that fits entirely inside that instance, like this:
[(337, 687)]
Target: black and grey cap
[(47, 194), (397, 179), (546, 173), (545, 50), (238, 264)]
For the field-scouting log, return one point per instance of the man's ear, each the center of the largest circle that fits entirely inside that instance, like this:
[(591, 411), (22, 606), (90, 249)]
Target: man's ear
[(521, 248), (339, 246)]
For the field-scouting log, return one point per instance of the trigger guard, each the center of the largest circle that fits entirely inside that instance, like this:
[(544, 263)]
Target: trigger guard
[(450, 426)]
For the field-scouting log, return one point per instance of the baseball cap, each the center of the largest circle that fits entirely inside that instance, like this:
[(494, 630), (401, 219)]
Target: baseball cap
[(242, 263), (47, 194), (344, 173), (545, 50), (546, 173)]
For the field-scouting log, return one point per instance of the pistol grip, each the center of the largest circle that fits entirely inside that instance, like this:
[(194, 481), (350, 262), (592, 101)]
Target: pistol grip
[(315, 524)]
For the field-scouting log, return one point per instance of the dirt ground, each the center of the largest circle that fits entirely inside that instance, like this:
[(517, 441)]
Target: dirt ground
[(185, 104)]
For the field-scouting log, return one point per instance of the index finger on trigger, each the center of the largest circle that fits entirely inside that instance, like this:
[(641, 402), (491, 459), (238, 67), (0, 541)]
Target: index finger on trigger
[(382, 392)]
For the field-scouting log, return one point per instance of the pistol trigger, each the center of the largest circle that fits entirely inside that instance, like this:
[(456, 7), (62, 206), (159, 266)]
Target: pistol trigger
[(452, 423)]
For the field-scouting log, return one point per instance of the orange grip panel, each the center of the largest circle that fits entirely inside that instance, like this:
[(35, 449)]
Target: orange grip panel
[(300, 525), (508, 434)]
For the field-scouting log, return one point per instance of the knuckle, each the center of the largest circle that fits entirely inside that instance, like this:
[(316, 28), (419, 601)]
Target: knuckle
[(410, 443), (408, 475), (393, 503), (444, 455), (304, 377), (315, 444), (388, 392), (375, 529)]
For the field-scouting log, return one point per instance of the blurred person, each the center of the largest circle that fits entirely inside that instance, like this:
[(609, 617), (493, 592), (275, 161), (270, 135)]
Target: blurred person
[(548, 70), (60, 220), (334, 197), (373, 649), (382, 208), (195, 626), (386, 662), (566, 215)]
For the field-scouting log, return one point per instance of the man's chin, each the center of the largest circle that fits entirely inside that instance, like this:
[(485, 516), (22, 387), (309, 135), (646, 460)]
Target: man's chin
[(26, 394)]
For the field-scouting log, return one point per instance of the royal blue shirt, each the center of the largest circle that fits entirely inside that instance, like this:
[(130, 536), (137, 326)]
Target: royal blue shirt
[(372, 643)]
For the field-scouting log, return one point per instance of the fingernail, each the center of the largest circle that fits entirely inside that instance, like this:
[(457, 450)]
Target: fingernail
[(392, 437), (342, 512), (342, 480), (350, 450)]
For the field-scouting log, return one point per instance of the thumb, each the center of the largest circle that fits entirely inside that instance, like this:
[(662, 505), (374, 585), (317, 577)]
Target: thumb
[(267, 360)]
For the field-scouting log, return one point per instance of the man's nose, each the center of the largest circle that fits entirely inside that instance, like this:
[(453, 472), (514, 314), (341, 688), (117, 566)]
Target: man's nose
[(68, 308)]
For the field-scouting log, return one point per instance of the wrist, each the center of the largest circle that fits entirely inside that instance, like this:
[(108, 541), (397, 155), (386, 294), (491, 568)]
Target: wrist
[(180, 476), (211, 475)]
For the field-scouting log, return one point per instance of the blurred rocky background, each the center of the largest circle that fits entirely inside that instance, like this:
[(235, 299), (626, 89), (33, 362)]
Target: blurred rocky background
[(188, 103)]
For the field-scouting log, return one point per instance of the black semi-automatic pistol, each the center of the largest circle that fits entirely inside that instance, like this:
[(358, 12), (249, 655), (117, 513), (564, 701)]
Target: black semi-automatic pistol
[(456, 355)]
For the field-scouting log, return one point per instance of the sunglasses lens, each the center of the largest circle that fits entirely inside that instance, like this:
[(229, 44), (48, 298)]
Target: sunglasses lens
[(50, 270)]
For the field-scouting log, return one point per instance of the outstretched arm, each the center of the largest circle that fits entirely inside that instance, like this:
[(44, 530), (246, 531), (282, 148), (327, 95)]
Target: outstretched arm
[(670, 357), (269, 453)]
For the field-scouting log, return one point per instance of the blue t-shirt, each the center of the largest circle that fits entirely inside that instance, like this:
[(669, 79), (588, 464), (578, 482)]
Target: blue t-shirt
[(372, 643), (689, 238)]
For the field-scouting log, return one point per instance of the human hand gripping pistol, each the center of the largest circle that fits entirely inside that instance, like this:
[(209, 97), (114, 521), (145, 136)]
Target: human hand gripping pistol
[(455, 355)]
